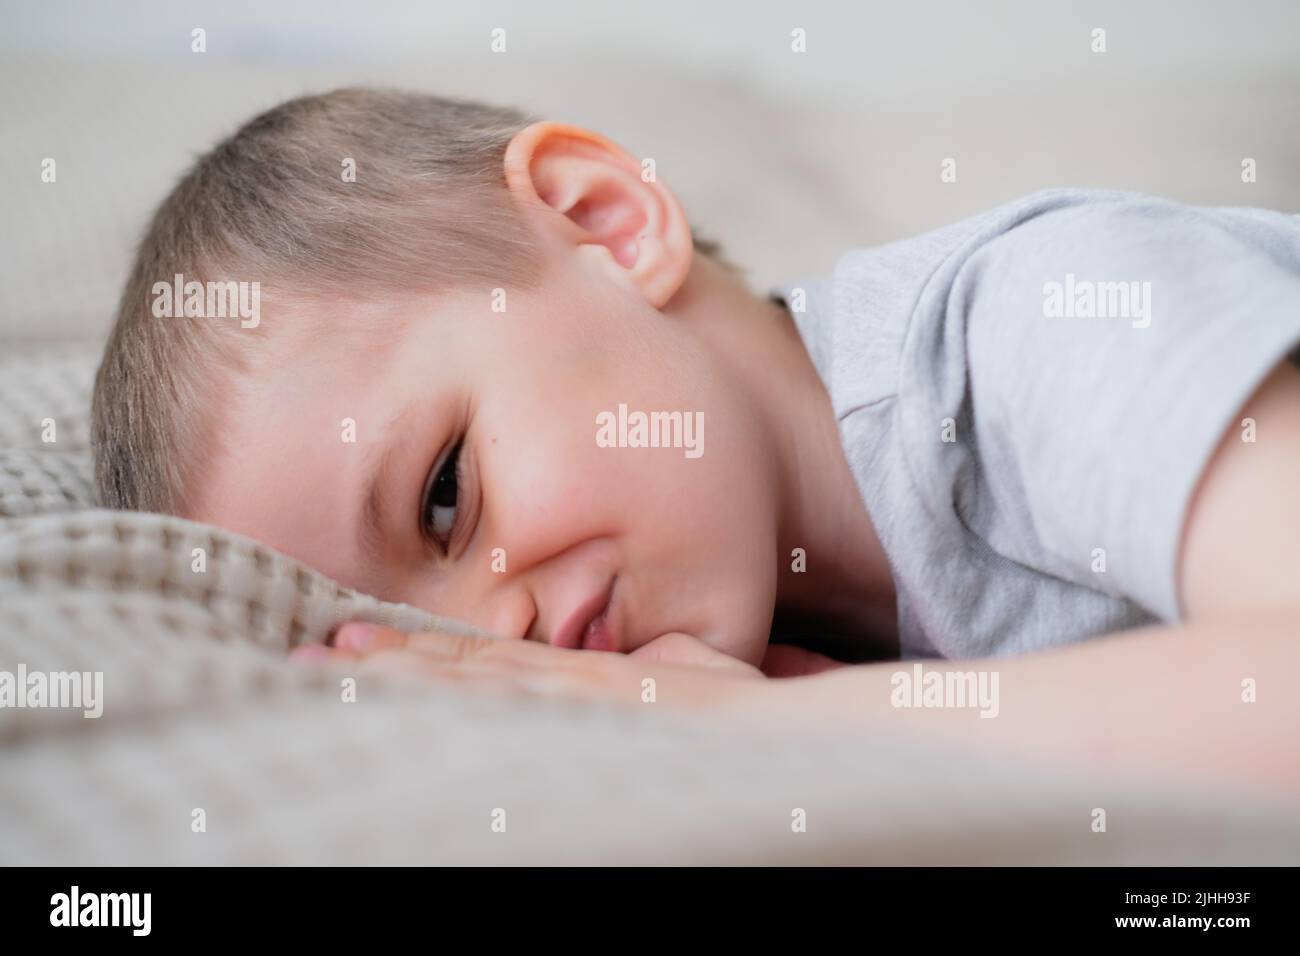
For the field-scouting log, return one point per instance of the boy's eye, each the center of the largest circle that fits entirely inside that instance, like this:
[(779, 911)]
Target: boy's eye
[(438, 518)]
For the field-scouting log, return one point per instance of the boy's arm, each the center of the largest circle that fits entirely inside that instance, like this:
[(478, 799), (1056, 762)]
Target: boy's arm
[(1241, 536), (1217, 693), (1166, 700)]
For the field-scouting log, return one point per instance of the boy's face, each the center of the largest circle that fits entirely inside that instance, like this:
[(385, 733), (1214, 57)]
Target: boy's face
[(534, 530)]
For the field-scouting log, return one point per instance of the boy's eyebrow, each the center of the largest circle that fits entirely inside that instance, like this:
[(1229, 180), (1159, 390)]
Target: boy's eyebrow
[(370, 530)]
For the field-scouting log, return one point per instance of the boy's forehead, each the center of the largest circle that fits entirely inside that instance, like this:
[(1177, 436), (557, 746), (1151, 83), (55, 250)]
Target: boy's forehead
[(294, 447), (303, 331)]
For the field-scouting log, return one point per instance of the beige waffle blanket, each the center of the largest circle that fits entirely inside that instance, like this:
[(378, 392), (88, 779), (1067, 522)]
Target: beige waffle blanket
[(204, 721)]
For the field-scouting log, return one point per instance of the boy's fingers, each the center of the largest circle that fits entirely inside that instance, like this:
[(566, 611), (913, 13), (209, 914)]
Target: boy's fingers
[(461, 647), (361, 637), (786, 660), (497, 675), (527, 667), (688, 651)]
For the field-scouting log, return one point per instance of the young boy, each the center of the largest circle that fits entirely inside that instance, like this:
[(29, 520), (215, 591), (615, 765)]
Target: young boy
[(492, 375)]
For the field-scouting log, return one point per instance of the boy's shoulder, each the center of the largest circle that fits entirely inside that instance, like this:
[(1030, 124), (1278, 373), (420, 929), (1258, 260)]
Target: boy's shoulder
[(1017, 247), (1072, 215)]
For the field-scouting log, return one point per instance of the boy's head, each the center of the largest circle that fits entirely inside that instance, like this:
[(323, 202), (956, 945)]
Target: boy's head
[(451, 302)]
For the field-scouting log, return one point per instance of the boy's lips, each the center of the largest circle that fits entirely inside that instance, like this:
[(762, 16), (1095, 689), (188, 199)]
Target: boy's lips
[(590, 627)]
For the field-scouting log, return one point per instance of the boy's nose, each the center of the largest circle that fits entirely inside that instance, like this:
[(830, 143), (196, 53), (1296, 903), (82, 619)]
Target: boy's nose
[(511, 613)]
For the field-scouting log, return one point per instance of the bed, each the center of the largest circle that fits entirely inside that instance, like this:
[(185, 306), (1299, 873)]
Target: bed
[(213, 749)]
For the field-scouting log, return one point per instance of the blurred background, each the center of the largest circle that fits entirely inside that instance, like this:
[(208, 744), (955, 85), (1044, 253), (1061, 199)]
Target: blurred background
[(786, 158)]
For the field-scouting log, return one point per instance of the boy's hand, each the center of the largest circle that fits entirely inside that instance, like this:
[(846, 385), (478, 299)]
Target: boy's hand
[(675, 669)]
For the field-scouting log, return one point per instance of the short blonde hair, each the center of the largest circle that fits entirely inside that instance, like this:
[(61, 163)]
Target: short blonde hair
[(427, 209)]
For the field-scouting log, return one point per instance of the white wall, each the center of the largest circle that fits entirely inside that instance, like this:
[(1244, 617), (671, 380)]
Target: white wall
[(788, 160), (862, 49)]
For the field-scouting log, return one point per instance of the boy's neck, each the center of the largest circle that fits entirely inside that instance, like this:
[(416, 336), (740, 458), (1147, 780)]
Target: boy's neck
[(845, 583)]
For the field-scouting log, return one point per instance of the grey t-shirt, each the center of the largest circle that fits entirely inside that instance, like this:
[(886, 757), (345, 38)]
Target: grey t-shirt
[(1028, 398)]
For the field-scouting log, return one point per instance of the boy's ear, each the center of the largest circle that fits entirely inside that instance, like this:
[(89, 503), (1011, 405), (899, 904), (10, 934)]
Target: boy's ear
[(633, 228)]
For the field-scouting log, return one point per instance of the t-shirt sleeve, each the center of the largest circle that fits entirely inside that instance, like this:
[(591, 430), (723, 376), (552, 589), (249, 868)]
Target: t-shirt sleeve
[(1110, 347)]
